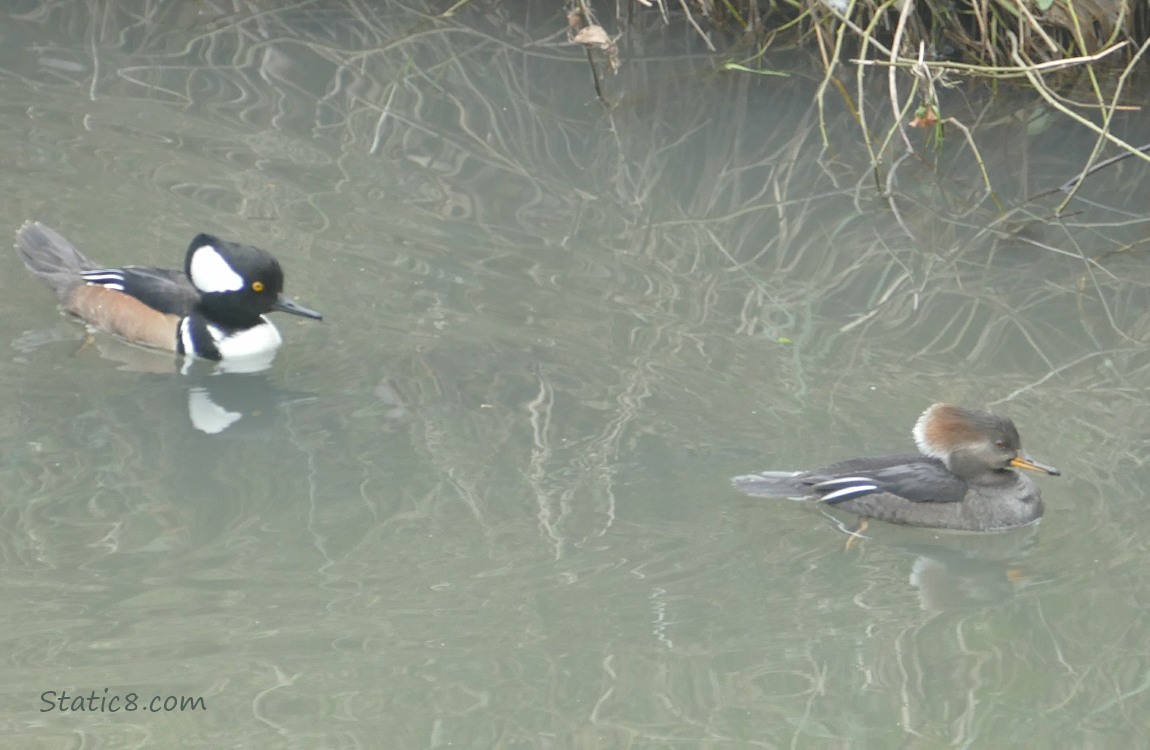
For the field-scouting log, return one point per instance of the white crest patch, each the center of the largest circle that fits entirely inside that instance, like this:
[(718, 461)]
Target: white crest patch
[(922, 439), (211, 273)]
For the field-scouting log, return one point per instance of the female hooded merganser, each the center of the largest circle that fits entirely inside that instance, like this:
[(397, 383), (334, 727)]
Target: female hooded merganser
[(213, 309), (963, 477)]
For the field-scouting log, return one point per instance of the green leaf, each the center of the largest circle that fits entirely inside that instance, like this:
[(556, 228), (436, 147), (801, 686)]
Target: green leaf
[(745, 69)]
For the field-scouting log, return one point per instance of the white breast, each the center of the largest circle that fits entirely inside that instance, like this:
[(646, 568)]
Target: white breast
[(256, 340)]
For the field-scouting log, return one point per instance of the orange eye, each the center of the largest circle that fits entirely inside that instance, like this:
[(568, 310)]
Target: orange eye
[(257, 286)]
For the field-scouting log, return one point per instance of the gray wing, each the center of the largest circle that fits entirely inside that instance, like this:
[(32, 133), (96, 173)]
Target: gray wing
[(920, 480), (159, 288)]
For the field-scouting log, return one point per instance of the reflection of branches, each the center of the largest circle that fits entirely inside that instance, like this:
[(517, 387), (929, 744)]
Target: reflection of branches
[(566, 326), (689, 235)]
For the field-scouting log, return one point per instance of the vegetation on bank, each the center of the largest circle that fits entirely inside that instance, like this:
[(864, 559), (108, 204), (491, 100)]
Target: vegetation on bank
[(1079, 55)]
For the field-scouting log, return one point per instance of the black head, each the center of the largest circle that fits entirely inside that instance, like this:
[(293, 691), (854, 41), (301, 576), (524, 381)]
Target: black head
[(237, 283)]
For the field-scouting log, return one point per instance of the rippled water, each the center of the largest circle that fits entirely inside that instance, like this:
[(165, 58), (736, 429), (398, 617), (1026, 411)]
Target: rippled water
[(486, 502)]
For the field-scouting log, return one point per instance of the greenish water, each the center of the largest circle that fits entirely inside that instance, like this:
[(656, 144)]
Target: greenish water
[(486, 502)]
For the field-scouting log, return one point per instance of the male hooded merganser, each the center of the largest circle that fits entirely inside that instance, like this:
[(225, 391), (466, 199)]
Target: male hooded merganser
[(213, 309), (963, 477)]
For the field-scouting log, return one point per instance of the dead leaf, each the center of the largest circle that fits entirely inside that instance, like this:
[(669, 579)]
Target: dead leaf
[(925, 117), (592, 35)]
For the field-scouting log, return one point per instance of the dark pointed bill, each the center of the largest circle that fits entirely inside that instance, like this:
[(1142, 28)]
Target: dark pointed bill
[(288, 305)]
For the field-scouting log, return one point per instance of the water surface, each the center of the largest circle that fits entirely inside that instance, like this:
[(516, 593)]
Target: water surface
[(486, 502)]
